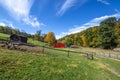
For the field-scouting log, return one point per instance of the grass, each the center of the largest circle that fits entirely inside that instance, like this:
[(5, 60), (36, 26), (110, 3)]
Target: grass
[(35, 42), (4, 36), (16, 65), (111, 63)]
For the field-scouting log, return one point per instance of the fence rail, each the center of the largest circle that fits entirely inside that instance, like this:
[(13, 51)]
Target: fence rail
[(115, 56), (68, 52), (90, 55)]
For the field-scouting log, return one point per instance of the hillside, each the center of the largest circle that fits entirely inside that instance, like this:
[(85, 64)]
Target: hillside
[(15, 65), (54, 65), (106, 36)]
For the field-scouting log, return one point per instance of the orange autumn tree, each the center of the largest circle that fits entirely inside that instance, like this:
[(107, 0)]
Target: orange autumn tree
[(50, 38), (84, 40)]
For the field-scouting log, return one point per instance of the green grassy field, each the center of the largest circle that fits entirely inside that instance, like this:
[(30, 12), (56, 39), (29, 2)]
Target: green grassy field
[(55, 65), (4, 36), (16, 65), (35, 42)]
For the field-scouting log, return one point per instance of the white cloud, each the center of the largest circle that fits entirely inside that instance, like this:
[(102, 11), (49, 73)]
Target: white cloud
[(91, 23), (2, 24), (7, 24), (116, 10), (11, 25), (59, 36), (68, 4), (20, 9), (32, 21), (104, 2)]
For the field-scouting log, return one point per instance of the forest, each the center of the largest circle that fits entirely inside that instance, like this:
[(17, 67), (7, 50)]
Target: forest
[(106, 35)]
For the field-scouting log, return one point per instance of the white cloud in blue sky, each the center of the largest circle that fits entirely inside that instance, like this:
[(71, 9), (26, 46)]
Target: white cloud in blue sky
[(2, 24), (20, 10), (116, 10), (104, 2), (68, 4), (7, 24)]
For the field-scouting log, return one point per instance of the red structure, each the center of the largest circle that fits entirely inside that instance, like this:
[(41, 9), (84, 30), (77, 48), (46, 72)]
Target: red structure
[(59, 45)]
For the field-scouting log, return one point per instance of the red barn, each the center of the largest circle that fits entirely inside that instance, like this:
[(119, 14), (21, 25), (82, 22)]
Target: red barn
[(59, 45)]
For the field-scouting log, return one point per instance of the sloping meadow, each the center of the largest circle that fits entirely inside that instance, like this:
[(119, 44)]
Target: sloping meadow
[(17, 65)]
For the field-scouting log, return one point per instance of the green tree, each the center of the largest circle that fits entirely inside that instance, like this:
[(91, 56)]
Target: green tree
[(117, 33), (106, 33), (88, 36), (68, 41), (110, 22), (95, 42), (37, 36)]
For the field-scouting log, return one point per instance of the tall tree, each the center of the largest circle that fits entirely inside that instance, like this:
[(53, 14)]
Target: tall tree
[(95, 42), (117, 33), (68, 41), (50, 38), (84, 40), (111, 22), (106, 33), (37, 36), (88, 36)]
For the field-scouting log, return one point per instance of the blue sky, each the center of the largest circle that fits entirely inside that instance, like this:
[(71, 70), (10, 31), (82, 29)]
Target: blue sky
[(62, 17)]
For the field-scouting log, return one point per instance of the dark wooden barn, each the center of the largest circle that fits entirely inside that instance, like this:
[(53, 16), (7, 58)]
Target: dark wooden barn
[(59, 45), (18, 38)]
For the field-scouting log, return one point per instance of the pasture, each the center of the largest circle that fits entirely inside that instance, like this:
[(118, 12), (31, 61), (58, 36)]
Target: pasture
[(17, 65), (55, 65)]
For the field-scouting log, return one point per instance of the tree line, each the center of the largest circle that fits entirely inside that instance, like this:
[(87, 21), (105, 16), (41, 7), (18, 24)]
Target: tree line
[(106, 35), (48, 38)]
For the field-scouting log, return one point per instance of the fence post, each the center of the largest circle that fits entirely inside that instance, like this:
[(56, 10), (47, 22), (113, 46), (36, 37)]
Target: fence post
[(92, 57), (87, 55), (68, 53)]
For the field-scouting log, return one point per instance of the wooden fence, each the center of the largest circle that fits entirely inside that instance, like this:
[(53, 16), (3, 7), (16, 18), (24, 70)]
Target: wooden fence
[(88, 54)]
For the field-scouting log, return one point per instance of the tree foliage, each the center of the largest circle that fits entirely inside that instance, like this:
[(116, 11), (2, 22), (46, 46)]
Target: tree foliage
[(117, 33), (50, 38)]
